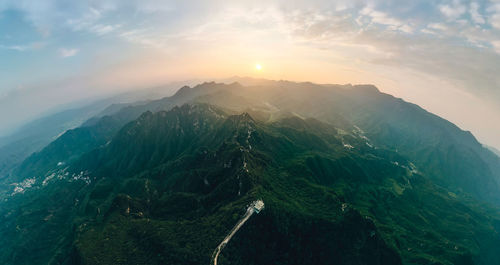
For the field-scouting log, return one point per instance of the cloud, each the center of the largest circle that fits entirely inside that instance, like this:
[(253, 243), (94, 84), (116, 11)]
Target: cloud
[(474, 13), (84, 19), (455, 51), (64, 53), (382, 18), (494, 12), (100, 29), (19, 48), (438, 26), (496, 46), (24, 47), (453, 10)]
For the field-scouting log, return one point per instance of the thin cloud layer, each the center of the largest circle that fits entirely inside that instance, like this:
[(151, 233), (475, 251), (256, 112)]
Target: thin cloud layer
[(68, 52)]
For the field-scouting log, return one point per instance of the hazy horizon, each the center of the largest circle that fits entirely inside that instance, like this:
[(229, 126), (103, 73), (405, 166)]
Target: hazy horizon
[(310, 132), (440, 55)]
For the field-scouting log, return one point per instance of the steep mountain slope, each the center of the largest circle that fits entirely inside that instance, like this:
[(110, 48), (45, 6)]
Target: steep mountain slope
[(64, 150), (101, 128), (454, 158), (494, 150), (37, 134), (451, 156), (169, 185)]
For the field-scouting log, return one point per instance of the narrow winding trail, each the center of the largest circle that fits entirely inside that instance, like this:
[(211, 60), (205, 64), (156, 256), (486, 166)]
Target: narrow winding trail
[(255, 207)]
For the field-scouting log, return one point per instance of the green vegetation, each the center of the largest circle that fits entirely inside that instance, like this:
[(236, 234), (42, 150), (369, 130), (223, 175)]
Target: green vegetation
[(166, 187)]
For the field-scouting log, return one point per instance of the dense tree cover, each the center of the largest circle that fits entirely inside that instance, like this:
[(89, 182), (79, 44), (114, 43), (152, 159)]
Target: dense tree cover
[(166, 187)]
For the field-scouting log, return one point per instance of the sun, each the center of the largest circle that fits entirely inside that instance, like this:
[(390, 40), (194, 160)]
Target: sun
[(258, 67)]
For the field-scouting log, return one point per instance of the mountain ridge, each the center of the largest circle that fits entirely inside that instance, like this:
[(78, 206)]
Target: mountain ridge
[(174, 169)]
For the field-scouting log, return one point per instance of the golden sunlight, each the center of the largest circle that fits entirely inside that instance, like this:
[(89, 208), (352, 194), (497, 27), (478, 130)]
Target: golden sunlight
[(258, 67)]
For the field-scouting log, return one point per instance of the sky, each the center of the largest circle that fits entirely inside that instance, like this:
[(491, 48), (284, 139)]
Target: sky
[(443, 55)]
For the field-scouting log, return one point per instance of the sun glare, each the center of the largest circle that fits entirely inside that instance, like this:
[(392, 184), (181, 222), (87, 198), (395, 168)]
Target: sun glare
[(258, 67)]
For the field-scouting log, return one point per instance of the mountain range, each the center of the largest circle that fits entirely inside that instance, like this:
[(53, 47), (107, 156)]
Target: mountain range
[(348, 174)]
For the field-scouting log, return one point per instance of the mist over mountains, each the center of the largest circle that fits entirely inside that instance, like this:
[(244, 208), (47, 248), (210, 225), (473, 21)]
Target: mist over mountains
[(349, 175)]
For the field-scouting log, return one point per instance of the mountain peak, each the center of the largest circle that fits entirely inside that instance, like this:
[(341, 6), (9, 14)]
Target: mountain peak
[(145, 115), (242, 118), (366, 88)]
